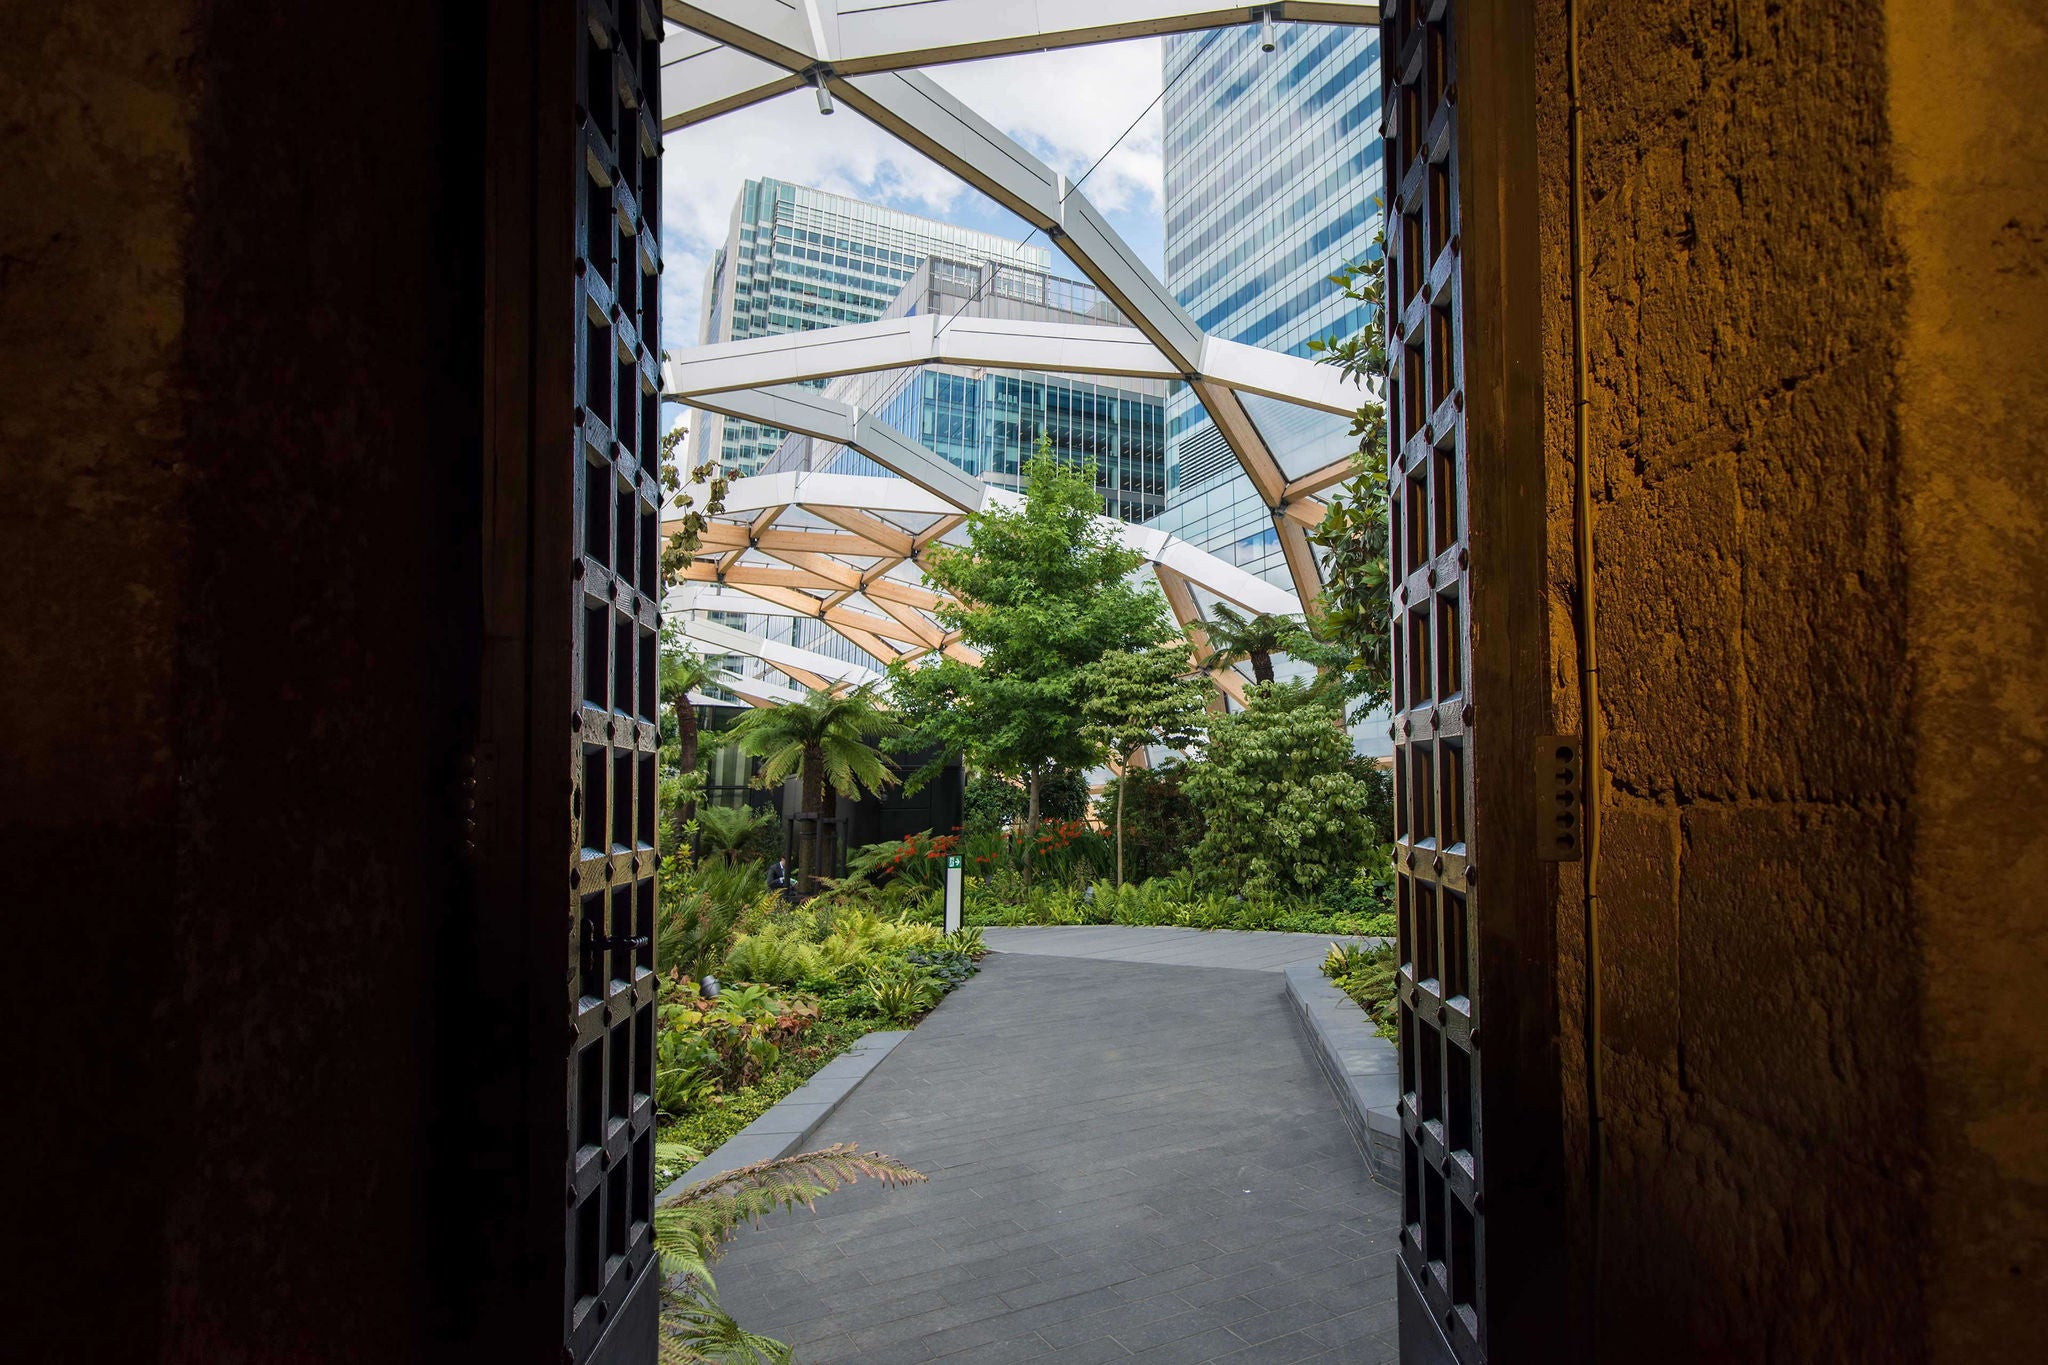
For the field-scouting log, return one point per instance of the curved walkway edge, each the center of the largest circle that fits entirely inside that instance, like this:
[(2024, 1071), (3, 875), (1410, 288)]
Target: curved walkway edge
[(1127, 1163)]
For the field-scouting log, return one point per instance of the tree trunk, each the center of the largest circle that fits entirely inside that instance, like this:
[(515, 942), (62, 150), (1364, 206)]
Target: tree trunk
[(686, 753), (812, 804), (1031, 830), (1123, 780), (1262, 666)]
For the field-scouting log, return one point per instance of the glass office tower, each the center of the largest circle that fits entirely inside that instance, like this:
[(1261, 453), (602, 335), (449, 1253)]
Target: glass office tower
[(1272, 169), (987, 422), (798, 258)]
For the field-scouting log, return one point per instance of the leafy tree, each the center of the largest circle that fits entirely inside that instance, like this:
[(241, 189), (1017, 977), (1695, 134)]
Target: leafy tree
[(1042, 591), (1161, 825), (1141, 697), (825, 739), (1355, 612), (1257, 638), (688, 537), (992, 802), (1063, 795), (1282, 799)]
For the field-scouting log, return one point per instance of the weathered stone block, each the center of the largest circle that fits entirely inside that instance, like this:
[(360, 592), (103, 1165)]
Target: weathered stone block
[(1671, 634), (1798, 1001), (1639, 932), (1823, 600)]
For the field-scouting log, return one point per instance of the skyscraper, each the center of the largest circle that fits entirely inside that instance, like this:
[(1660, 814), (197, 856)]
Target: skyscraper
[(798, 258), (1272, 168), (988, 422)]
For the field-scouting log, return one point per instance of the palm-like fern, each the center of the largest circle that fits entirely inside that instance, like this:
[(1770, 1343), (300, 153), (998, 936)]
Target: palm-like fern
[(727, 829), (682, 673), (1256, 638), (690, 1230), (826, 738)]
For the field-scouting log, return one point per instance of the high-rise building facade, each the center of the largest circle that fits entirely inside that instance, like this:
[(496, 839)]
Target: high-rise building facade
[(798, 258), (988, 422), (1272, 169)]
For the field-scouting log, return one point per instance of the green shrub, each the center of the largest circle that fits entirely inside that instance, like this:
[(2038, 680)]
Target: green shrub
[(1282, 798), (1161, 824)]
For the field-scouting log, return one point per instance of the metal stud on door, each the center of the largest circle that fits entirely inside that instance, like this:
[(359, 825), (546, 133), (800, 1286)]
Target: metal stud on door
[(1443, 1282), (612, 1279)]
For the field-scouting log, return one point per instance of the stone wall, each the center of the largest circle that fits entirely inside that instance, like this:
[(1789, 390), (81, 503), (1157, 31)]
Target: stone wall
[(1818, 484)]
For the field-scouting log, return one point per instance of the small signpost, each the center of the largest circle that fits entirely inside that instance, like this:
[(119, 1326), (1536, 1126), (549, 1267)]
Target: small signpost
[(952, 893)]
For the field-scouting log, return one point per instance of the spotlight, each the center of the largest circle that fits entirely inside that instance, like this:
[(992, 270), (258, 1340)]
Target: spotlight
[(824, 95), (1266, 30)]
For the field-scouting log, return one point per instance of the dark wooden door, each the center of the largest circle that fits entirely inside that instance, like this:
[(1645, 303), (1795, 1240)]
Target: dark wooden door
[(611, 1278), (1443, 1281)]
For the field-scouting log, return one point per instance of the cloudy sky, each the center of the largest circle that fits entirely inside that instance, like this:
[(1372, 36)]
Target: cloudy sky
[(1067, 107)]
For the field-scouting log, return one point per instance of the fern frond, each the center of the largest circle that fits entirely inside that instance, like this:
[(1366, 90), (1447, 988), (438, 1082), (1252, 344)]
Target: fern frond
[(690, 1228), (696, 1331)]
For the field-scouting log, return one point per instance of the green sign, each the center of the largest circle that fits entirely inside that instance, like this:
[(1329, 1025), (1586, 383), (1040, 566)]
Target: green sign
[(952, 860)]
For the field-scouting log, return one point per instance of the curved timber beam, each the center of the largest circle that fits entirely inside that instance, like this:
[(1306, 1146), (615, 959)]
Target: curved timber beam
[(854, 49)]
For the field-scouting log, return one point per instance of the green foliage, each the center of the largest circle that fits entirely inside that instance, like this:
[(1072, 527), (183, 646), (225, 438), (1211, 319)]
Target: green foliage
[(1139, 698), (692, 1226), (1367, 975), (967, 942), (1255, 639), (1063, 795), (730, 831), (1041, 591), (733, 1040), (827, 736), (700, 908), (1173, 900), (1161, 824), (1355, 614), (993, 803), (706, 481), (900, 990), (1370, 889), (915, 863), (771, 955), (1281, 797), (826, 739)]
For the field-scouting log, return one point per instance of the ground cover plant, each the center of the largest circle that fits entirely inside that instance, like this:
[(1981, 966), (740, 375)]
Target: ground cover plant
[(798, 984), (1367, 975)]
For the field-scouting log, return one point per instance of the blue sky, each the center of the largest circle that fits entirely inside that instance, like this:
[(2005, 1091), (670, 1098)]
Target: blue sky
[(1067, 107)]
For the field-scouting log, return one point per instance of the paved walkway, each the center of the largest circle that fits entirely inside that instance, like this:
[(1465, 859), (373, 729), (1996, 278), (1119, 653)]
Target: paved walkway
[(1247, 951), (1128, 1163)]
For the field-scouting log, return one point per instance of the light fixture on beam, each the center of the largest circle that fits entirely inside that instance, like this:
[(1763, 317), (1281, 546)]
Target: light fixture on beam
[(1266, 43), (825, 95)]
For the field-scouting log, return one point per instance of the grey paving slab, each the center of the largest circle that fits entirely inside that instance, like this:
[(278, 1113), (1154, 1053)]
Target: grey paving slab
[(1127, 1162), (1238, 949)]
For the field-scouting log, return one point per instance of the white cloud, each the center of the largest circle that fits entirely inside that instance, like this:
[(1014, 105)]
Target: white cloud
[(1067, 107)]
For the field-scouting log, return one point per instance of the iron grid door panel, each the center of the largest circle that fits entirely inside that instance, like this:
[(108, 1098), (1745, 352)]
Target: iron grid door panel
[(611, 1280), (1443, 1240)]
